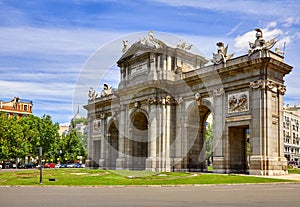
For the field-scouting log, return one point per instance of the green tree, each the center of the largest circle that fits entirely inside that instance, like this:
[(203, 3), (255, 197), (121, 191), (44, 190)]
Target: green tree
[(20, 137), (209, 142), (77, 121), (71, 146), (4, 142), (48, 136)]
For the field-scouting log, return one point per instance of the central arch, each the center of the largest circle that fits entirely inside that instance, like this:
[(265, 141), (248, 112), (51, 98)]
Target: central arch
[(139, 140)]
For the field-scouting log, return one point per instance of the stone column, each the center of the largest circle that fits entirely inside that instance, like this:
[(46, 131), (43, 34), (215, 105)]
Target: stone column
[(179, 134), (281, 91), (120, 162), (103, 142), (89, 161), (152, 135), (168, 133), (158, 63), (266, 136), (169, 62), (219, 164)]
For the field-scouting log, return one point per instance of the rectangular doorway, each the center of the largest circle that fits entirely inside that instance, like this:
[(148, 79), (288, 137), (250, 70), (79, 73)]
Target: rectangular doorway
[(239, 149)]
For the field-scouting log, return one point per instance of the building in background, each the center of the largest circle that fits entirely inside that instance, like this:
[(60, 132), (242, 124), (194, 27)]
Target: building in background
[(291, 133), (77, 122), (16, 107)]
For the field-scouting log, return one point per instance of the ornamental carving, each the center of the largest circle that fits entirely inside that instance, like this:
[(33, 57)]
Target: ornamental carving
[(218, 91), (270, 85), (168, 100), (97, 125), (257, 84), (137, 104), (102, 115), (179, 100), (151, 42), (153, 100), (198, 98), (238, 102), (184, 45), (281, 89)]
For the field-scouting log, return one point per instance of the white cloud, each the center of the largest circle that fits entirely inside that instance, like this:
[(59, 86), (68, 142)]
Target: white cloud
[(52, 40), (287, 22), (261, 8)]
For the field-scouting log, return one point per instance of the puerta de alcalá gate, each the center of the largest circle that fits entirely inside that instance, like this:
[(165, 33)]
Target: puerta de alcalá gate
[(156, 119)]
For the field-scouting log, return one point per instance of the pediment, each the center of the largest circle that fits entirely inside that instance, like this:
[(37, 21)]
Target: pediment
[(145, 45)]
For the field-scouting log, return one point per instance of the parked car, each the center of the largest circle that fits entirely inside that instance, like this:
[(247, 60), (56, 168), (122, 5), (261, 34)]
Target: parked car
[(7, 165), (49, 165), (58, 166), (26, 166), (29, 165), (71, 165), (63, 165)]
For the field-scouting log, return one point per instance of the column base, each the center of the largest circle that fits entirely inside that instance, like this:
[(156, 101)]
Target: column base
[(101, 163), (89, 163), (262, 165), (151, 164), (219, 165), (120, 163)]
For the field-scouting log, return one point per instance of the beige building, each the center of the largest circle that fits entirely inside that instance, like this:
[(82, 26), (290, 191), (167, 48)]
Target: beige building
[(156, 119), (291, 133), (16, 107)]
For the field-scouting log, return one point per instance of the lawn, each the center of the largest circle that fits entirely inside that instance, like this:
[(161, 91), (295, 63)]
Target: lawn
[(294, 170), (92, 177)]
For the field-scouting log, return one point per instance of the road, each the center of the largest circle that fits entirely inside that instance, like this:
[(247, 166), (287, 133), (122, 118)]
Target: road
[(262, 195)]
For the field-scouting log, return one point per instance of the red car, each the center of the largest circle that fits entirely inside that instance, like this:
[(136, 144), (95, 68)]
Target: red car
[(49, 165)]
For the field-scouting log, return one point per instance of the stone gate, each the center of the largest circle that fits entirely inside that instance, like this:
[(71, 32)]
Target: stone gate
[(156, 119)]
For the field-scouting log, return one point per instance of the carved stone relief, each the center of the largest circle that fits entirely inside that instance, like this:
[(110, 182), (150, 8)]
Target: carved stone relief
[(97, 125), (238, 102)]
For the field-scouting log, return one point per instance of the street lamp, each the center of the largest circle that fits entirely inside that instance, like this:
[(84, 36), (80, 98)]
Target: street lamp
[(41, 164)]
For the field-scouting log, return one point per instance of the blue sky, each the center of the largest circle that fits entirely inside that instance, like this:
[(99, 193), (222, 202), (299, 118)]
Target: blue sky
[(48, 47)]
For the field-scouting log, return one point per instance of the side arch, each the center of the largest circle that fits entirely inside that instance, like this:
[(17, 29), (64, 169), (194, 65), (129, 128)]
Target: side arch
[(196, 122)]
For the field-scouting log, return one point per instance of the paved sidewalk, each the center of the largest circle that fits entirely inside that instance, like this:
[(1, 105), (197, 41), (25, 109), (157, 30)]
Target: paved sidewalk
[(287, 177)]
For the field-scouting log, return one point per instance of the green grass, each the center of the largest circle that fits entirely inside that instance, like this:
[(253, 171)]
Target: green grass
[(90, 177), (293, 170)]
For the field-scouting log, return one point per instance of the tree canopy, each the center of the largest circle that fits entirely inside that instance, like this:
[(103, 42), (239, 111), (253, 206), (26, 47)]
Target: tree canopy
[(21, 137)]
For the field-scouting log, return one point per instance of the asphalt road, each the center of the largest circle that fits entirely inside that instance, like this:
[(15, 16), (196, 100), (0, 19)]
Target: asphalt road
[(263, 195)]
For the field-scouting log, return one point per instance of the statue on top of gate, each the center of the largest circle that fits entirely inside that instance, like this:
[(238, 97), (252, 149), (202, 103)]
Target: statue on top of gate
[(260, 44), (221, 56)]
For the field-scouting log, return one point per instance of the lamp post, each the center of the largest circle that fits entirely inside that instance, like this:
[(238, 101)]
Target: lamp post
[(60, 153), (41, 164)]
